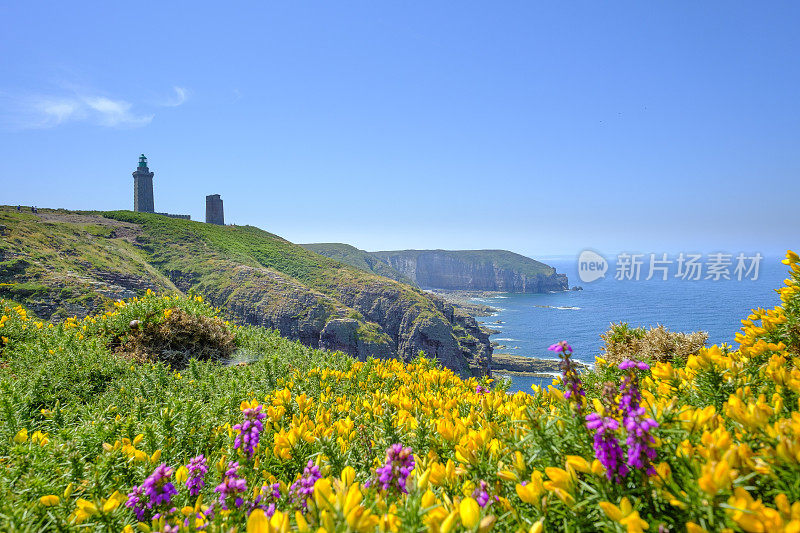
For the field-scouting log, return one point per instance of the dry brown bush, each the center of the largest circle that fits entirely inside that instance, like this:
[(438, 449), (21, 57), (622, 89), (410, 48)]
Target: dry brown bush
[(178, 338), (655, 344)]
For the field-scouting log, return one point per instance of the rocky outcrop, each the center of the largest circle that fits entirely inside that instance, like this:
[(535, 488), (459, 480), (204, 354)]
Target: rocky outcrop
[(485, 270), (73, 264), (379, 319), (520, 365)]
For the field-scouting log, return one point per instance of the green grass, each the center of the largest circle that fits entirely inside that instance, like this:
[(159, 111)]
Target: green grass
[(357, 258), (69, 384)]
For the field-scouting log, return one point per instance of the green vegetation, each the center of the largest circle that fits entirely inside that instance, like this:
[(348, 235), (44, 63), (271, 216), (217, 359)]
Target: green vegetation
[(294, 439), (501, 259), (68, 382), (62, 264), (360, 259)]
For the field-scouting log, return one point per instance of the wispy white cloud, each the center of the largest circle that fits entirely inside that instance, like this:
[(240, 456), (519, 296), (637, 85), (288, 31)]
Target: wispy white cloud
[(50, 111), (113, 113), (180, 96)]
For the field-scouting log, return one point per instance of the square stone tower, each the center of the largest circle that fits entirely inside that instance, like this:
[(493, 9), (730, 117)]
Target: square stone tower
[(143, 187), (214, 213)]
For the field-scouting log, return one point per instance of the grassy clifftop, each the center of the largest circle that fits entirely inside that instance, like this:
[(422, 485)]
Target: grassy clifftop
[(493, 270), (360, 259), (64, 263), (500, 258)]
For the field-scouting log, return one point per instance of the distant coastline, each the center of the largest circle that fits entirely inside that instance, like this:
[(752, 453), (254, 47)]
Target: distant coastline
[(503, 364), (465, 300)]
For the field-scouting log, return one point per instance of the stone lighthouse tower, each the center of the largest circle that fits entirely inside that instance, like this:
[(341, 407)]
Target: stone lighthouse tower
[(143, 187)]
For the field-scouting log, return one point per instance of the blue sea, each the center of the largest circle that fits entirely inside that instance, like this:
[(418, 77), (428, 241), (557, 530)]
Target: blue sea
[(530, 323)]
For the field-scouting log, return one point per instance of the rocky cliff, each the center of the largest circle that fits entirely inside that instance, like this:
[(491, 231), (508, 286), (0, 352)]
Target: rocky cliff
[(63, 264), (486, 270), (360, 259)]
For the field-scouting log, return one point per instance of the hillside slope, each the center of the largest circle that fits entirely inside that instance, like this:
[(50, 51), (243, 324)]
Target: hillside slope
[(360, 259), (487, 270), (62, 263)]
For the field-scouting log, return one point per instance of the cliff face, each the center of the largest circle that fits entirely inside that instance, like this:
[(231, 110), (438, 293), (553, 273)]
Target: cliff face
[(350, 255), (64, 264), (488, 270)]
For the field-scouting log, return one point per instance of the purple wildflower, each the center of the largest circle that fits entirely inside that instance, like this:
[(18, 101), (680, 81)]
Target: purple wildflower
[(560, 347), (155, 493), (302, 489), (197, 470), (628, 363), (249, 430), (232, 485), (266, 499), (641, 451), (480, 389), (606, 446), (481, 493), (135, 502), (158, 488), (569, 375), (399, 464)]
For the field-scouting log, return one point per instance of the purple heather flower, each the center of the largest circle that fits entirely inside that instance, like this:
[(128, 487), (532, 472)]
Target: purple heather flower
[(266, 498), (641, 451), (249, 430), (560, 347), (154, 494), (197, 470), (135, 502), (628, 363), (302, 489), (569, 375), (232, 485), (606, 446), (158, 488), (481, 493), (480, 389), (399, 464)]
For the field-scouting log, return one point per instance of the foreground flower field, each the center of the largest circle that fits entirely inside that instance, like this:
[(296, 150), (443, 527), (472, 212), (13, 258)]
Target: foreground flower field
[(92, 438)]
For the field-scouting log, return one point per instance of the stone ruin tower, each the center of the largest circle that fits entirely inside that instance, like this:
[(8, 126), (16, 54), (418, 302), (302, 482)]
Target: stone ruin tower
[(214, 213), (143, 188)]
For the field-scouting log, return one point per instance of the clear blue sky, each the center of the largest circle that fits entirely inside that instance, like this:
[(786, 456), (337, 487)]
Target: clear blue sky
[(543, 128)]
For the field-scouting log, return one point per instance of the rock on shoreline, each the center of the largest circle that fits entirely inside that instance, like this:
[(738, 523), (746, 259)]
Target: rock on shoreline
[(526, 366)]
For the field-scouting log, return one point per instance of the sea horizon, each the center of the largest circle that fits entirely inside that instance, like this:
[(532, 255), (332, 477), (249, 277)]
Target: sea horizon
[(529, 323)]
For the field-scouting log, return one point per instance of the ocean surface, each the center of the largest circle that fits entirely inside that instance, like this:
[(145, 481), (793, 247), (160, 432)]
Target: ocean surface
[(530, 323)]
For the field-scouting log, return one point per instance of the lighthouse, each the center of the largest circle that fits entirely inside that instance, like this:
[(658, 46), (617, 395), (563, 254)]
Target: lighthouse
[(143, 187)]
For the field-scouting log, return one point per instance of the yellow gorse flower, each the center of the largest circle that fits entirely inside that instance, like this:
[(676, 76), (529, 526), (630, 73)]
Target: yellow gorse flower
[(625, 515)]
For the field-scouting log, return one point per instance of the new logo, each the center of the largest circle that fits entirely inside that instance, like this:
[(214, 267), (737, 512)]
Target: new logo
[(591, 266)]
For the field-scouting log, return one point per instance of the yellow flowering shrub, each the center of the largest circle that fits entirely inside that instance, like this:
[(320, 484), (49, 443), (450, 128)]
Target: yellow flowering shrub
[(302, 440)]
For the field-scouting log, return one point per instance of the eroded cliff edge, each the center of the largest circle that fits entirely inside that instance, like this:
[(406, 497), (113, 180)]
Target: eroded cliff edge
[(64, 263), (464, 270), (479, 270)]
